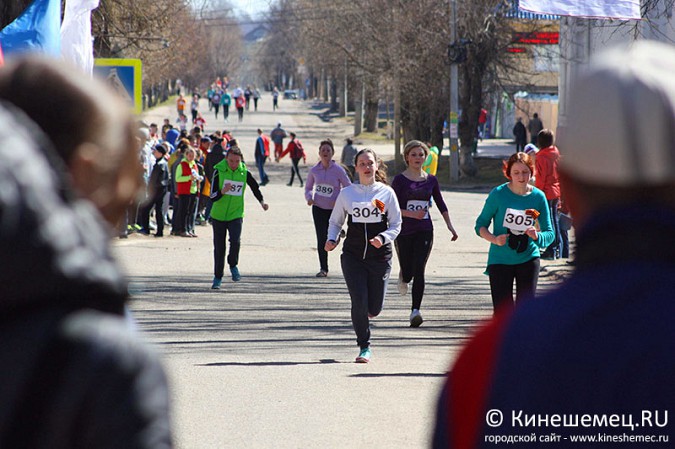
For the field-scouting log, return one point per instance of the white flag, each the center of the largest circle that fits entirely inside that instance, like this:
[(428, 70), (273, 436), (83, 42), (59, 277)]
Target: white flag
[(599, 9), (77, 43)]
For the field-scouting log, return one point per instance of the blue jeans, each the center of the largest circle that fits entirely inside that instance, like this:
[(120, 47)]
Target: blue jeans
[(367, 284), (220, 230), (554, 249), (260, 162)]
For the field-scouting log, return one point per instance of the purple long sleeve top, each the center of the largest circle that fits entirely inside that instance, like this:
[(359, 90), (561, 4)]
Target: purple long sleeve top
[(324, 184), (415, 195)]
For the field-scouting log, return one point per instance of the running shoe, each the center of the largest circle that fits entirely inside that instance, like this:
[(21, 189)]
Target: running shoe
[(416, 318), (322, 274), (216, 283), (402, 286), (236, 277), (364, 356)]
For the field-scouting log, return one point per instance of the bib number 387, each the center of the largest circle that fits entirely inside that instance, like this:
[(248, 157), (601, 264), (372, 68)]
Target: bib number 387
[(236, 188), (517, 220), (365, 213)]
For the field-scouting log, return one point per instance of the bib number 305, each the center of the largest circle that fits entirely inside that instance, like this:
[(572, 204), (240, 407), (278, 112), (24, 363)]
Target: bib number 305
[(517, 220), (365, 213)]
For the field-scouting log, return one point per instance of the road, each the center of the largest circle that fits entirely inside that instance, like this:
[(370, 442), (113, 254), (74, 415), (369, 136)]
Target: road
[(268, 362)]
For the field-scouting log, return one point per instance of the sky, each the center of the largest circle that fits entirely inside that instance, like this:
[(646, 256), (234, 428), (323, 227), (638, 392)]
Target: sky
[(254, 8)]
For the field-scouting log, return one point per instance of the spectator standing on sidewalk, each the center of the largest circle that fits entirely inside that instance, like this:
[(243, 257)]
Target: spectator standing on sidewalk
[(158, 186), (520, 134), (262, 152), (547, 180), (534, 126), (348, 155), (603, 343)]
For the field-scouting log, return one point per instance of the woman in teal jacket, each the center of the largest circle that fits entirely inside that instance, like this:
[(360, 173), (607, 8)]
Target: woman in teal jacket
[(230, 178), (513, 209)]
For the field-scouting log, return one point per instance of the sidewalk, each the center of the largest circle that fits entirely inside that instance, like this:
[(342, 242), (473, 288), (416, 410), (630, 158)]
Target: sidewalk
[(268, 361)]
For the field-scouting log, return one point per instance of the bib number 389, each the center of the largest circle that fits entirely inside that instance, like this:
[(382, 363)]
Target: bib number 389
[(365, 213), (324, 190)]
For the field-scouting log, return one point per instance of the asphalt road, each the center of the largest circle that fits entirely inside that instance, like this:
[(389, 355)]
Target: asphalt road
[(268, 362)]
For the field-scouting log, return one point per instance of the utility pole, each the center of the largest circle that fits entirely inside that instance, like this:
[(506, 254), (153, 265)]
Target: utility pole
[(453, 123)]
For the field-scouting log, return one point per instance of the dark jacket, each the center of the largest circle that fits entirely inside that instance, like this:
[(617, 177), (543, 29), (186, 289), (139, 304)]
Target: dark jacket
[(520, 132), (603, 343), (73, 373), (216, 155), (159, 177)]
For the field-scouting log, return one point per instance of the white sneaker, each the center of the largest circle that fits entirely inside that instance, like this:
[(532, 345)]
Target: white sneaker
[(402, 286), (416, 318)]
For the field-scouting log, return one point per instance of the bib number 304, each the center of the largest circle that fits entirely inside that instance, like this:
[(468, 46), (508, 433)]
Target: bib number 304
[(365, 213)]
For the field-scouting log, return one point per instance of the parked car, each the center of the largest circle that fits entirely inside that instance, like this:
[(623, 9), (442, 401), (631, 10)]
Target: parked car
[(291, 94)]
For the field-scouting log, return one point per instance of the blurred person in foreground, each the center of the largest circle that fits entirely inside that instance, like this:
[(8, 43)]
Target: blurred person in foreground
[(75, 372), (602, 345)]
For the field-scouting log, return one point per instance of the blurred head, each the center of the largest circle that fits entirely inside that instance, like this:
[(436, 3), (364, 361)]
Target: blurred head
[(418, 149), (92, 129), (621, 150), (545, 138)]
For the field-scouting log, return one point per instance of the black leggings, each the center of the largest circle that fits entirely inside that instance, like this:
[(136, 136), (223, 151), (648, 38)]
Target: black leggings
[(295, 169), (526, 276), (413, 252), (321, 217)]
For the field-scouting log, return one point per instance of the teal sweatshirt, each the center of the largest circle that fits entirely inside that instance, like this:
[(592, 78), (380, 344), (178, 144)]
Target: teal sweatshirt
[(498, 201)]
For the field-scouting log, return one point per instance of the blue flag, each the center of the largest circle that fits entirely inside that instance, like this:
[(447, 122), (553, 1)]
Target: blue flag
[(37, 29)]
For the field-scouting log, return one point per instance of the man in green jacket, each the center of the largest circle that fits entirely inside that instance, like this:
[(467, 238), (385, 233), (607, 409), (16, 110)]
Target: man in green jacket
[(230, 178)]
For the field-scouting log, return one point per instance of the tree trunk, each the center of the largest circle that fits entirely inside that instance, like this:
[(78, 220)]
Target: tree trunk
[(333, 94), (358, 110), (470, 101), (372, 108)]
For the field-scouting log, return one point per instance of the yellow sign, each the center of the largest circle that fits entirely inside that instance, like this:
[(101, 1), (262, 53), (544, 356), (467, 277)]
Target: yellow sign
[(124, 76)]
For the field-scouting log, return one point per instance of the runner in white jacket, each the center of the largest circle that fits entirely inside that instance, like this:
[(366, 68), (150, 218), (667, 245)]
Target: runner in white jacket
[(373, 222)]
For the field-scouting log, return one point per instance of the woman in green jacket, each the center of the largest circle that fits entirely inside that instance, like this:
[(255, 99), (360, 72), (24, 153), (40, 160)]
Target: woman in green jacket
[(515, 243)]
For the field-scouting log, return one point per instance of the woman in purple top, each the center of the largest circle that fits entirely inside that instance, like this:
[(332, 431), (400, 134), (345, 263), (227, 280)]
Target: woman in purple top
[(414, 189), (324, 182)]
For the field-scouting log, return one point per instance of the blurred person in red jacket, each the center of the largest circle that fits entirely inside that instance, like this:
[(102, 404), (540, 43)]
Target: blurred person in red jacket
[(547, 180)]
